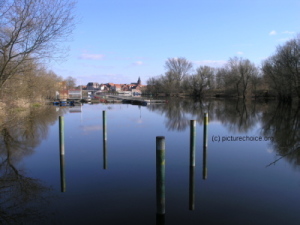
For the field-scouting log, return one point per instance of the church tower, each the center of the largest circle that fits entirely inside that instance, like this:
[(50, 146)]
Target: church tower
[(139, 81)]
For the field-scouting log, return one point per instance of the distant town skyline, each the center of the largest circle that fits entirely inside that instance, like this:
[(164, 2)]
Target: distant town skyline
[(117, 41), (139, 80)]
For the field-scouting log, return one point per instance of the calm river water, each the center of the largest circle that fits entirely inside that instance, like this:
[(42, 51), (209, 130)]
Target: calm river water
[(250, 174)]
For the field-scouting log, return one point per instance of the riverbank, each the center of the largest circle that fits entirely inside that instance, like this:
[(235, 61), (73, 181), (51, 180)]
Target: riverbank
[(19, 108)]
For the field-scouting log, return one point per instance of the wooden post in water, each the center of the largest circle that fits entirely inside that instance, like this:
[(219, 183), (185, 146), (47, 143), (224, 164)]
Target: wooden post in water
[(160, 175), (192, 164), (61, 135), (104, 140), (62, 154), (193, 143), (205, 139)]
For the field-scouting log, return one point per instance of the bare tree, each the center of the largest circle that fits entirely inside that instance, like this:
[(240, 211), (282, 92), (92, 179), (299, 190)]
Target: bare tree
[(31, 30), (155, 84), (202, 80), (219, 80), (177, 69), (239, 73), (70, 82), (283, 70)]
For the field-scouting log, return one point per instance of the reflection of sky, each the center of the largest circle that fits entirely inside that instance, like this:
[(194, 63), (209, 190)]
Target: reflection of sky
[(88, 129)]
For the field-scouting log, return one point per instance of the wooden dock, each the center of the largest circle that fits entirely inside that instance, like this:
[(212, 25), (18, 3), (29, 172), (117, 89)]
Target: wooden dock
[(131, 100)]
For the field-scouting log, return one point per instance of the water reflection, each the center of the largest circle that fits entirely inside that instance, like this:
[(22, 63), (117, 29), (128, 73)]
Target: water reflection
[(104, 125), (205, 143), (192, 188), (160, 175), (192, 165), (22, 196), (236, 115), (63, 185), (175, 112), (280, 121), (62, 153)]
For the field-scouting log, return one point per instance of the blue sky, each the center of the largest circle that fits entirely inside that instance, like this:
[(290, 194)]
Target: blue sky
[(120, 40)]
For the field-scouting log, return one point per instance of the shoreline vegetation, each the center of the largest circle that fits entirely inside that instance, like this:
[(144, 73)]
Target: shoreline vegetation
[(277, 77)]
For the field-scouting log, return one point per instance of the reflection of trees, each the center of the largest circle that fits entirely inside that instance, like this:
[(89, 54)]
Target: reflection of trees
[(237, 115), (174, 112), (20, 195), (282, 122), (279, 121)]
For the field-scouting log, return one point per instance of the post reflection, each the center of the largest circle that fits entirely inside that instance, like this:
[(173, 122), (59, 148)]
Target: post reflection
[(205, 139), (192, 188), (192, 164), (62, 154), (104, 140), (204, 170), (160, 175), (62, 173), (160, 219)]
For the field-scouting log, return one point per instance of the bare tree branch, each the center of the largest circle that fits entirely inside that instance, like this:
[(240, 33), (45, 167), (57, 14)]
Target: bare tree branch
[(32, 30)]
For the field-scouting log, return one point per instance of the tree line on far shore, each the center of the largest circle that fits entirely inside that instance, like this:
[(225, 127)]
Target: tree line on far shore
[(278, 76)]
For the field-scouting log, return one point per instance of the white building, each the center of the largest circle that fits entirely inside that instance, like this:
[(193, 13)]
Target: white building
[(75, 94)]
